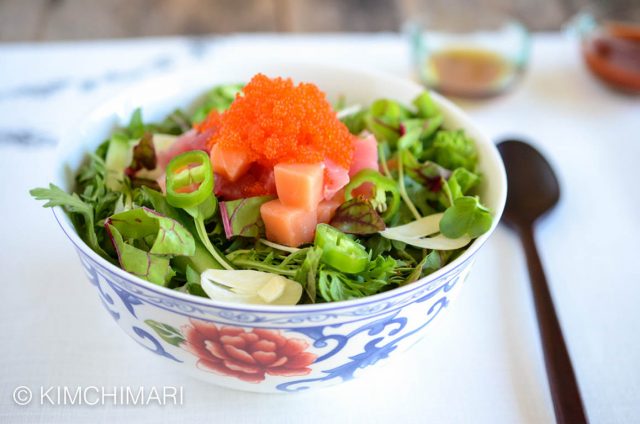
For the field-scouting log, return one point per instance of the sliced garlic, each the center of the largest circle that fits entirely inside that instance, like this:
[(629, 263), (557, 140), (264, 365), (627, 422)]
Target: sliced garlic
[(422, 227), (415, 233), (273, 289), (250, 287)]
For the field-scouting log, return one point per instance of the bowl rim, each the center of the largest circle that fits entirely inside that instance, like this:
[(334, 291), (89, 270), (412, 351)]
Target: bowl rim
[(500, 186)]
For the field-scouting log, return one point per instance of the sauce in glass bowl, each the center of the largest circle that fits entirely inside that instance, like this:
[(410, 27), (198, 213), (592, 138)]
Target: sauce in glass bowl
[(468, 52), (613, 54), (469, 71)]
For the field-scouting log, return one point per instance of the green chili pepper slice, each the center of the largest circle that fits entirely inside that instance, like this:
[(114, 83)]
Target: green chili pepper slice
[(340, 251), (382, 186), (189, 179), (190, 184)]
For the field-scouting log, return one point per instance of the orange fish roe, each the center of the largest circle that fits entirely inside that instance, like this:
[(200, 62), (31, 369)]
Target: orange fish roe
[(211, 122), (275, 121)]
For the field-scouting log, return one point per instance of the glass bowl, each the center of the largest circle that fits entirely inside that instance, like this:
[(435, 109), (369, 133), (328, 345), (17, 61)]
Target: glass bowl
[(473, 53), (610, 45)]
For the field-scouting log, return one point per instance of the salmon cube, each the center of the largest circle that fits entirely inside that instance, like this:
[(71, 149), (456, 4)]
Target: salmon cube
[(327, 208), (300, 185), (231, 164), (288, 225)]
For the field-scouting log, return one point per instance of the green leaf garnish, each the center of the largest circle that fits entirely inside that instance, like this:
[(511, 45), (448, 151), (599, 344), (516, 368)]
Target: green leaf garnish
[(461, 182), (146, 240), (453, 149), (425, 106), (335, 286), (466, 217), (146, 265), (218, 98), (72, 203), (166, 236), (307, 274), (242, 217), (383, 120), (357, 216), (136, 126)]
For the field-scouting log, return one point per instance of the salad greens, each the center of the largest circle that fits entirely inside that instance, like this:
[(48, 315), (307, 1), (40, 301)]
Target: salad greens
[(241, 217), (381, 186), (146, 227), (218, 98), (357, 216), (184, 171), (395, 225), (82, 212)]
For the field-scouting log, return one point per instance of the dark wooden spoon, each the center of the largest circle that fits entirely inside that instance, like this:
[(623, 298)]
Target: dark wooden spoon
[(533, 191)]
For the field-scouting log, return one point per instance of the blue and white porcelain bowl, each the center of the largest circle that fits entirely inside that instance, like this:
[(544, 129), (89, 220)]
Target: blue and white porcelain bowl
[(292, 348)]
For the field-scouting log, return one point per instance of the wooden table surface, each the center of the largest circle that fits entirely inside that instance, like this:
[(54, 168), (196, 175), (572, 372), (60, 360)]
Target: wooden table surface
[(45, 20)]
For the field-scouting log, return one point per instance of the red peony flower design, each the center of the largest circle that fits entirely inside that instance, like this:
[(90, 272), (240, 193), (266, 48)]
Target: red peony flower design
[(247, 355)]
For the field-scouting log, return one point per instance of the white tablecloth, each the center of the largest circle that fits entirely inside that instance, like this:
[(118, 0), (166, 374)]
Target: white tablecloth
[(483, 365)]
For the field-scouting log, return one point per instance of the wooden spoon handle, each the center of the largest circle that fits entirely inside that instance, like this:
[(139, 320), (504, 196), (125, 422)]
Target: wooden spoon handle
[(562, 381)]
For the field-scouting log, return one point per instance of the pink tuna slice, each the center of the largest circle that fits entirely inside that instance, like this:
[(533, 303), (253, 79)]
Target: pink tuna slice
[(365, 154), (335, 178), (162, 182), (191, 140)]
